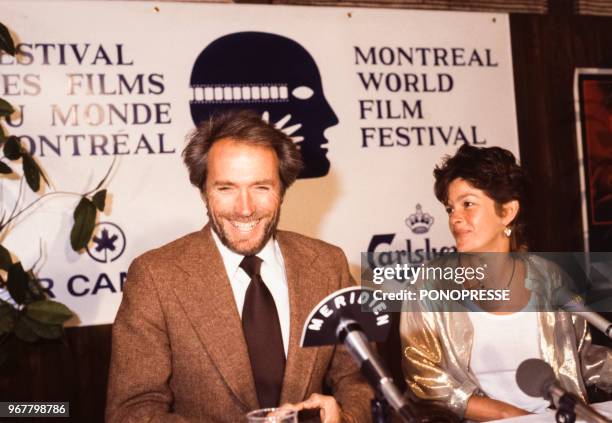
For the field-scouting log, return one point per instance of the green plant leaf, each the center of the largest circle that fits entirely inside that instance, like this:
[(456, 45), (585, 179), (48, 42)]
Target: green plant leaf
[(44, 330), (5, 169), (84, 222), (12, 148), (6, 41), (48, 312), (24, 331), (31, 172), (5, 258), (7, 318), (17, 282), (99, 199), (5, 108)]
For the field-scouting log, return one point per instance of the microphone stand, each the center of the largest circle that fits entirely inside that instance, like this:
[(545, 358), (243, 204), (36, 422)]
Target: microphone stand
[(537, 379), (567, 404), (380, 408), (387, 393), (566, 409), (381, 411), (340, 319)]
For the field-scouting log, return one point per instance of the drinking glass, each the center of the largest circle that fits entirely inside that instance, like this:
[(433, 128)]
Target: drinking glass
[(272, 415)]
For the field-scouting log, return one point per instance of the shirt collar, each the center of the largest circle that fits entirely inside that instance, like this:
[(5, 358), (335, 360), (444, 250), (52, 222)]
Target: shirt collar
[(270, 253)]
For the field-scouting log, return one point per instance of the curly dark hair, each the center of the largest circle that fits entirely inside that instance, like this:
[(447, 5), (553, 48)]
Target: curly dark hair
[(493, 170), (244, 126)]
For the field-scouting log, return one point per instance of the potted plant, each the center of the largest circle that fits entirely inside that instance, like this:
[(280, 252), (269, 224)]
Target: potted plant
[(26, 314)]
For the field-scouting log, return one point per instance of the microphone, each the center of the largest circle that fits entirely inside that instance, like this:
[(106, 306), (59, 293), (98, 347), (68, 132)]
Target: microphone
[(537, 379), (353, 316), (574, 303), (350, 334)]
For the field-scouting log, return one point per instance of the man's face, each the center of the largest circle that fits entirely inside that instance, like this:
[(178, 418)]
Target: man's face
[(243, 194)]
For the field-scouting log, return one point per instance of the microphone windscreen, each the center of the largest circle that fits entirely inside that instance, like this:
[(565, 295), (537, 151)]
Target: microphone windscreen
[(533, 377)]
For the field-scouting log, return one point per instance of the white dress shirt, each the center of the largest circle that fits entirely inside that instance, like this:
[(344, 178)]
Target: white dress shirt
[(272, 273)]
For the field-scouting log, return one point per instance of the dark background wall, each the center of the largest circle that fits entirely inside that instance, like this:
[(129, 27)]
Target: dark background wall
[(546, 49)]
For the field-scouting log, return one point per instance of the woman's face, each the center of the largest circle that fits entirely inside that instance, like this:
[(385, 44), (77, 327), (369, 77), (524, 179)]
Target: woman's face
[(474, 220)]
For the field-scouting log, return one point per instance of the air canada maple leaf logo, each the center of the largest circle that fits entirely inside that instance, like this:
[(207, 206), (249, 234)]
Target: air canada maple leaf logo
[(108, 243)]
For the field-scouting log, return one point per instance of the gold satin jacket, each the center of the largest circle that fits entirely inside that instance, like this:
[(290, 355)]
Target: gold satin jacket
[(437, 347)]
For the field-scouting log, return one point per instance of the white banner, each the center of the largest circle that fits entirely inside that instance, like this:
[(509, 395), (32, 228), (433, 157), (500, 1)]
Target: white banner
[(381, 96)]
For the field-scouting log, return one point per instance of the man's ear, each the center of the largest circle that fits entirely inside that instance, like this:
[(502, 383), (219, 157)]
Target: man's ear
[(509, 211)]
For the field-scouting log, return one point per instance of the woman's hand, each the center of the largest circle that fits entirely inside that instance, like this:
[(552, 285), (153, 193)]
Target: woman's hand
[(483, 409)]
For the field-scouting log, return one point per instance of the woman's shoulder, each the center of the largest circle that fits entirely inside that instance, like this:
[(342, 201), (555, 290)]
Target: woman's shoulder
[(543, 273)]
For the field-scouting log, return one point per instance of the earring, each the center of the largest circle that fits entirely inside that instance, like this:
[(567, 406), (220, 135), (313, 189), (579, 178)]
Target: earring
[(508, 231)]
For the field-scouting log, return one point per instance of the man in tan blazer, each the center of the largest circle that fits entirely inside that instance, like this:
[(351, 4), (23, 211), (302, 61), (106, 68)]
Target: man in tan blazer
[(179, 351)]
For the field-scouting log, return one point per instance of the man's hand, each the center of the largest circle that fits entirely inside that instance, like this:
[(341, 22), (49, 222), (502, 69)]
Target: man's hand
[(329, 410)]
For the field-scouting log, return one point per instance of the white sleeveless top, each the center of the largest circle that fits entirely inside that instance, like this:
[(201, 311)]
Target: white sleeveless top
[(500, 344)]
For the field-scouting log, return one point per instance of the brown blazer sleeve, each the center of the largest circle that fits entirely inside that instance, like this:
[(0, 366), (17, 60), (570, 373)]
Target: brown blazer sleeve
[(140, 366), (349, 388)]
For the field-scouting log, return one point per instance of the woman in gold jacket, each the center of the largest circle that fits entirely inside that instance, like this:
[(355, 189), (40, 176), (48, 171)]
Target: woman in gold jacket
[(482, 189)]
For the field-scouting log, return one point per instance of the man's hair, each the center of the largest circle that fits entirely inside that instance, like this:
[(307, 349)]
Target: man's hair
[(243, 126), (493, 170)]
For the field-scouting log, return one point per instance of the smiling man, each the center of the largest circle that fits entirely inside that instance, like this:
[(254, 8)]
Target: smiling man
[(209, 325), (243, 194)]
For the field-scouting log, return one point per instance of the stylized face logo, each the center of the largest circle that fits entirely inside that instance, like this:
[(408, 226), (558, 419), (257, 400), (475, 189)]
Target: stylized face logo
[(273, 75)]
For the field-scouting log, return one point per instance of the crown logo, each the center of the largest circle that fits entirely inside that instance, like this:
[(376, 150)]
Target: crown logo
[(419, 222)]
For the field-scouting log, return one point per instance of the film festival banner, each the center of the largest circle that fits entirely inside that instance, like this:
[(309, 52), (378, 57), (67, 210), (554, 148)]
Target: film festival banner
[(373, 99)]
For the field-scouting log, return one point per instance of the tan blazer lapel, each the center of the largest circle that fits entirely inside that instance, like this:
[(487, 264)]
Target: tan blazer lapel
[(209, 303), (304, 293)]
